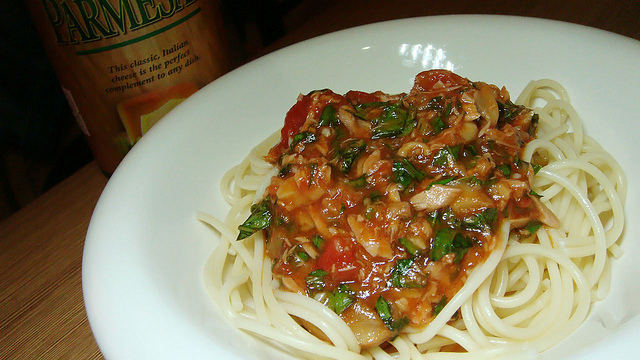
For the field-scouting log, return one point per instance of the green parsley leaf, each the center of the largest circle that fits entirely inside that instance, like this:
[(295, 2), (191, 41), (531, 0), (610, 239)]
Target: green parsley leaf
[(461, 245), (442, 243), (382, 307), (409, 246), (508, 111), (440, 305), (348, 155), (317, 241), (259, 219), (370, 212), (328, 117), (384, 311), (375, 196), (442, 181), (505, 169), (536, 168), (404, 173), (533, 226), (297, 257), (315, 280), (445, 154), (363, 109), (391, 122), (304, 137), (482, 220), (359, 183), (438, 123), (447, 241), (341, 299), (404, 276), (285, 170)]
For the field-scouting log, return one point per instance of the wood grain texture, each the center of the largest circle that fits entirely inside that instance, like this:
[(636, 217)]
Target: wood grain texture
[(41, 308)]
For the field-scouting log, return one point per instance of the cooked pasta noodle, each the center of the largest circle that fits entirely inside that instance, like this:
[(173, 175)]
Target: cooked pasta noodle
[(529, 295)]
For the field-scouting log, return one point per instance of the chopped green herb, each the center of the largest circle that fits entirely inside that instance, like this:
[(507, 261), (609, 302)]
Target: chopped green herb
[(375, 196), (449, 218), (259, 219), (447, 241), (482, 220), (409, 125), (461, 245), (505, 169), (433, 217), (409, 246), (536, 168), (442, 181), (382, 307), (363, 109), (304, 137), (438, 123), (341, 299), (473, 180), (315, 280), (470, 150), (435, 103), (404, 276), (445, 154), (404, 173), (317, 241), (535, 118), (490, 215), (359, 183), (328, 117), (518, 162), (400, 324), (442, 243), (348, 155), (391, 122), (533, 226), (533, 193), (285, 170), (370, 212), (297, 256), (508, 111), (440, 305), (384, 311)]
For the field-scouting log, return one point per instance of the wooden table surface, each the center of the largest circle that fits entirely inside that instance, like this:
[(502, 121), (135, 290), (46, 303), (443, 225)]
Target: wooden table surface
[(41, 308)]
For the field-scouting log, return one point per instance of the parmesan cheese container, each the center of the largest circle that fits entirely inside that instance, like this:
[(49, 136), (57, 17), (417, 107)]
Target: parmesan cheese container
[(123, 64)]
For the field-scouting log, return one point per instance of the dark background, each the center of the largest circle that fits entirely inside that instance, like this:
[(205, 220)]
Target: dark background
[(41, 145)]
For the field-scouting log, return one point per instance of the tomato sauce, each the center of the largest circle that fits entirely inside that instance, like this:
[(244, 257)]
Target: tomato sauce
[(384, 204)]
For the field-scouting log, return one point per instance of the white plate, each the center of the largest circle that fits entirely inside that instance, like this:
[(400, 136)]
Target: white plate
[(145, 251)]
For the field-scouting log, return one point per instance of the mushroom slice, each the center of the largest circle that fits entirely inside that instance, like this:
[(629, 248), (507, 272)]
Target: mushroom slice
[(435, 197), (366, 325)]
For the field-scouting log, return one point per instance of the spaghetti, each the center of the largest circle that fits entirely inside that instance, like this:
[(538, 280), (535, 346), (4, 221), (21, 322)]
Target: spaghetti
[(524, 294)]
